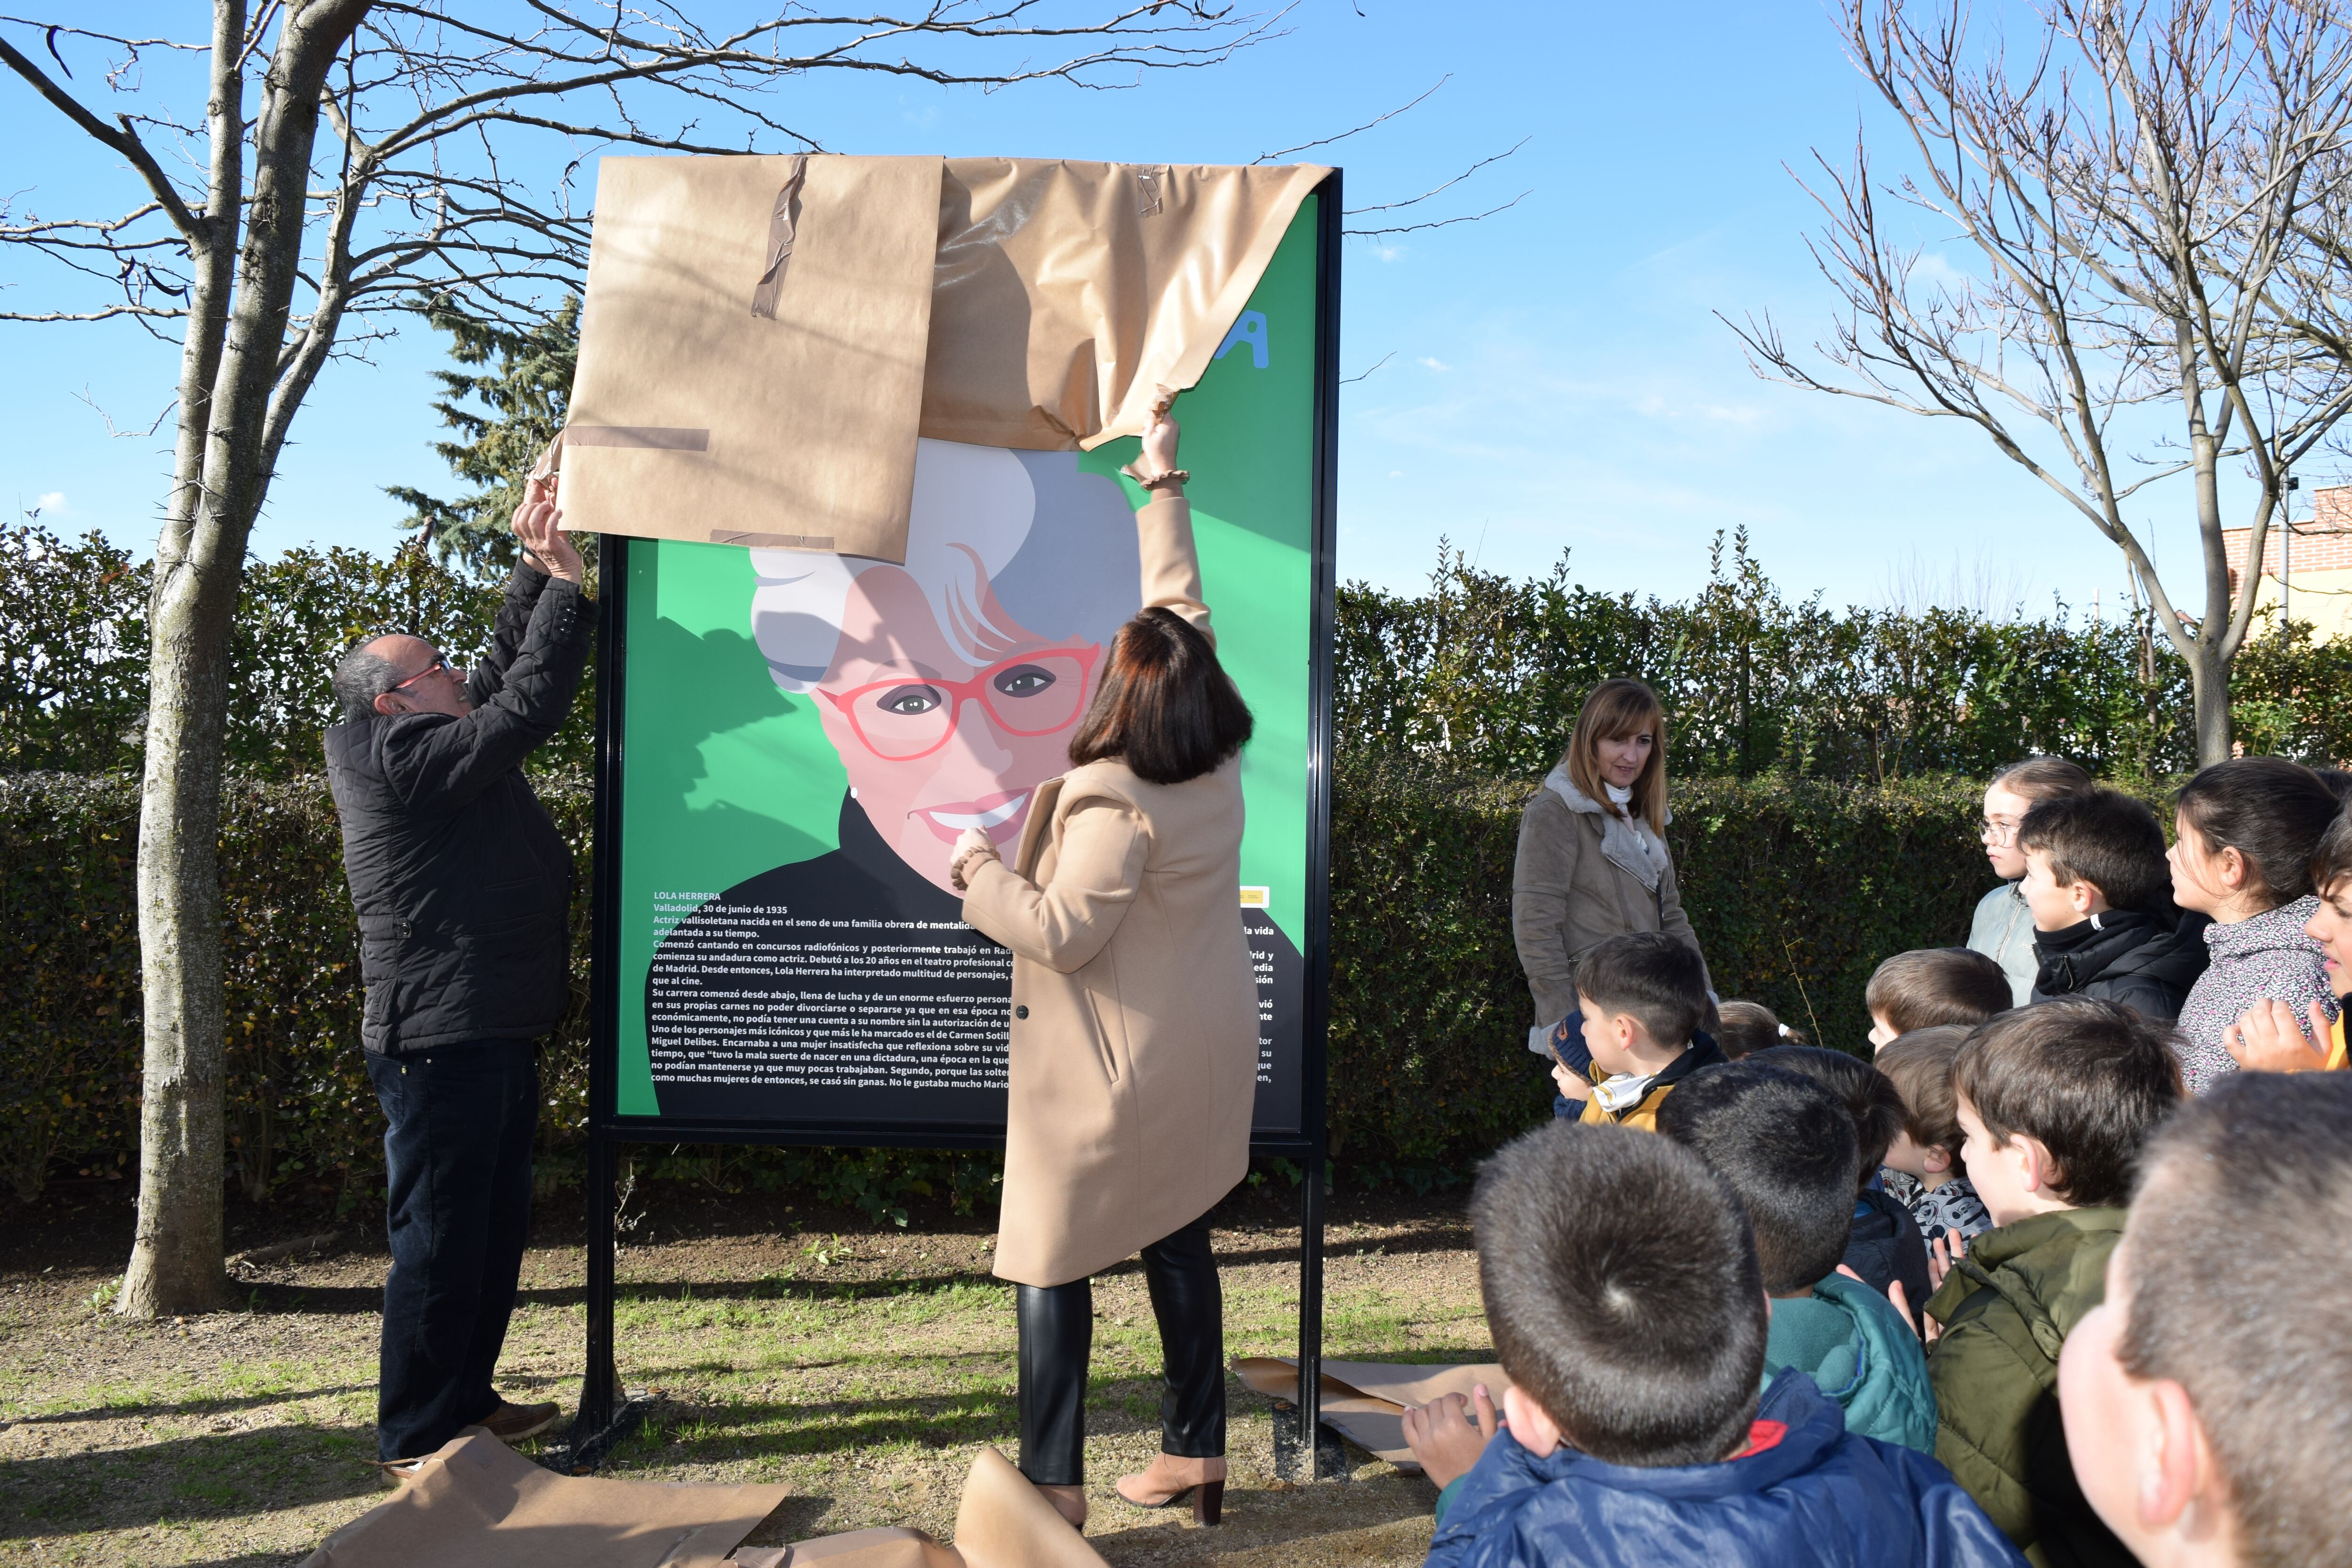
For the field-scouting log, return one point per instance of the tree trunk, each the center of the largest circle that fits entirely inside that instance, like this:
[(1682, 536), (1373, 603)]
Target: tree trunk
[(176, 1259), (2208, 675)]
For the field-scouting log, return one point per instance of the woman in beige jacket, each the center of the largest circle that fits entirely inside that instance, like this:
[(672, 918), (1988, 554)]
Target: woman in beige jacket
[(1134, 1055), (1592, 861)]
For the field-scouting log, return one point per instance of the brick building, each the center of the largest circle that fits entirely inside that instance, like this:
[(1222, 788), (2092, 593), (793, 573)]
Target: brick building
[(2317, 562)]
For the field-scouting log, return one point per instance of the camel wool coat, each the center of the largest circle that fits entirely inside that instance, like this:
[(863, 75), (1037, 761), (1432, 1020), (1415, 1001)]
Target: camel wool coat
[(1135, 1021)]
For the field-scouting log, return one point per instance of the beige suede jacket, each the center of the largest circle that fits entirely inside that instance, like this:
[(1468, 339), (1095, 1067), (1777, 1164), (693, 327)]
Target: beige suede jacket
[(1581, 878)]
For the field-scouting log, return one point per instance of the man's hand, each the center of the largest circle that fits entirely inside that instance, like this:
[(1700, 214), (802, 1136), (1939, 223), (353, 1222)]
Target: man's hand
[(1442, 1436), (1158, 445), (539, 529), (2270, 1038)]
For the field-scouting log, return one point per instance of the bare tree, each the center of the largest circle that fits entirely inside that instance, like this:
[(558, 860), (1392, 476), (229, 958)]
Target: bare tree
[(2144, 289), (454, 136)]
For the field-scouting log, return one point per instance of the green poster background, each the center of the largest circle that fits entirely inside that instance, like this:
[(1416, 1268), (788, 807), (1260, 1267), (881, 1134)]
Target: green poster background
[(724, 775)]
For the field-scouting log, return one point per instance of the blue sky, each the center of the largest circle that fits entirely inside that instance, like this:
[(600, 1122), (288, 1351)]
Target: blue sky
[(1554, 378)]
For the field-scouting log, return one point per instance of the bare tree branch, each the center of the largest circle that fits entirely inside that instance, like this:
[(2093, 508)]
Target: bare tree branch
[(2140, 195), (1367, 125)]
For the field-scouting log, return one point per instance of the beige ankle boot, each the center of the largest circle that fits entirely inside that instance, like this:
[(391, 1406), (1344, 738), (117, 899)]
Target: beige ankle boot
[(1173, 1475)]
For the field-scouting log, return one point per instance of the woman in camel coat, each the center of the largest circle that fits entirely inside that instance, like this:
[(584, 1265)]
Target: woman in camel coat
[(1134, 1052)]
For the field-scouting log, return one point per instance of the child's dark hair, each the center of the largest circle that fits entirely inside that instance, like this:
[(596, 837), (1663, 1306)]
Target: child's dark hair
[(2331, 861), (2087, 1079), (1621, 1290), (1932, 985), (1919, 1066), (1659, 979), (1787, 1147), (2239, 1282), (2273, 812), (1867, 1094), (2105, 838), (1743, 1029)]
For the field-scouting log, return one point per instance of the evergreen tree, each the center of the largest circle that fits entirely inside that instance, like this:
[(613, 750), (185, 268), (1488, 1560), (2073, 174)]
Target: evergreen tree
[(526, 398)]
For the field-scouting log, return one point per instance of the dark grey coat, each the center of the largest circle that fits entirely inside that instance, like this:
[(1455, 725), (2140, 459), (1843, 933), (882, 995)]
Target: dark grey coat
[(462, 883)]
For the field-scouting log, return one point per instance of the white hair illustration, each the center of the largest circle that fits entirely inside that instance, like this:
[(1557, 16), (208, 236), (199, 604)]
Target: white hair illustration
[(1004, 546)]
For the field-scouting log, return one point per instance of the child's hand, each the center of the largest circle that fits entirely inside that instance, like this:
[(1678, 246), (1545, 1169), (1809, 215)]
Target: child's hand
[(1444, 1437), (2270, 1038), (1572, 1085), (1901, 1298), (1940, 1261)]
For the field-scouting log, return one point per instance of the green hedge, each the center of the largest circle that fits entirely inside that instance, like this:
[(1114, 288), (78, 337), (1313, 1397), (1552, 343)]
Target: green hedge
[(299, 1107), (1797, 891)]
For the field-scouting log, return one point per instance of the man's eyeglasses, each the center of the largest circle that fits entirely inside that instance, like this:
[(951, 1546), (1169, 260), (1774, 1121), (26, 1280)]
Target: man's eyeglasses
[(438, 663), (1028, 694)]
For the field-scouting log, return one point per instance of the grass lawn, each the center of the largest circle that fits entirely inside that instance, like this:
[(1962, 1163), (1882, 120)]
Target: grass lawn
[(860, 1367)]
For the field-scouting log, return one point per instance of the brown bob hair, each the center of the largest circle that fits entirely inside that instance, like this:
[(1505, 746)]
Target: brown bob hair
[(1617, 708), (1166, 708)]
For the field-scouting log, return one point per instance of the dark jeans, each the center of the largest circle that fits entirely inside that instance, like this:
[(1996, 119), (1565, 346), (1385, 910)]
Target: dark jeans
[(1057, 1332), (457, 1209)]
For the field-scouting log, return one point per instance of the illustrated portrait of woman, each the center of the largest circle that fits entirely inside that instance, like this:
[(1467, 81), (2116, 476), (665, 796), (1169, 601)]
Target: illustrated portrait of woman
[(948, 687)]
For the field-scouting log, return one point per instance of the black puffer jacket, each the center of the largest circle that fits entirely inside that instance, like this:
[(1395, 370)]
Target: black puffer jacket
[(1885, 1248), (2133, 959), (462, 883)]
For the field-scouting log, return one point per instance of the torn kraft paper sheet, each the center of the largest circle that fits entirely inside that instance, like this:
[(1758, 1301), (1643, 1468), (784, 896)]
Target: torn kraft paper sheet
[(1002, 1521), (1365, 1401), (476, 1503), (765, 338)]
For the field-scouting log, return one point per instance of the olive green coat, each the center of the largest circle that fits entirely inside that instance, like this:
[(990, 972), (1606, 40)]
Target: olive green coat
[(2006, 1308)]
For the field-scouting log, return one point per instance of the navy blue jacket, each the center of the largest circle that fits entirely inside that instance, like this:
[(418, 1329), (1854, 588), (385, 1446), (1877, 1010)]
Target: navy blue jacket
[(1820, 1496), (462, 883)]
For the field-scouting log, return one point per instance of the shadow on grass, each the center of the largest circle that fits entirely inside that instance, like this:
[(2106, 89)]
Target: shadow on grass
[(209, 1477), (202, 1405)]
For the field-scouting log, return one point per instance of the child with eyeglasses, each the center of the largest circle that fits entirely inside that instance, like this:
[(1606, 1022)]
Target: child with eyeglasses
[(2002, 928)]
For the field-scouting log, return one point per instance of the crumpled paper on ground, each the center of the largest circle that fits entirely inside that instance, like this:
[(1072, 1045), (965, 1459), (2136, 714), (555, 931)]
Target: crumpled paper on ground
[(1365, 1401)]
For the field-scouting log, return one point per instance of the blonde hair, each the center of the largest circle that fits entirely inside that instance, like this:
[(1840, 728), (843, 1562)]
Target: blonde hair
[(1619, 708)]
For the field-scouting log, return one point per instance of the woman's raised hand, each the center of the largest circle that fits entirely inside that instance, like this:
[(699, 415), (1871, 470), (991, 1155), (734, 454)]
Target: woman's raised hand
[(1160, 443)]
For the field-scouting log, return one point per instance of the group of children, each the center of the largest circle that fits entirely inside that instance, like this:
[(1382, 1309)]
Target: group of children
[(2051, 1280)]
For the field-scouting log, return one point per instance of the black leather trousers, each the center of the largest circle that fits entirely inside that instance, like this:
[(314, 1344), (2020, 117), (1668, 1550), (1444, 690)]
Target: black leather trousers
[(1058, 1330)]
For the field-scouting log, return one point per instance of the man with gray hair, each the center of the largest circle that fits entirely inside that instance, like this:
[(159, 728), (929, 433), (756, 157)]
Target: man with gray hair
[(463, 887)]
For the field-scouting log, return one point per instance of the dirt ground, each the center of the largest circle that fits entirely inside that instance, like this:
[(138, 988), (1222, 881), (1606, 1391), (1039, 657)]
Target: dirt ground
[(861, 1367)]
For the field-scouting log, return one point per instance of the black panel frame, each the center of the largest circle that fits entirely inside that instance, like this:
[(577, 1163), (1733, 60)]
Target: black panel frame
[(603, 1404)]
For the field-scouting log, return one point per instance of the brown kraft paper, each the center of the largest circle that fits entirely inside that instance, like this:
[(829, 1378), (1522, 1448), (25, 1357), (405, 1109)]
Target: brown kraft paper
[(751, 352), (476, 1503), (1071, 298), (1365, 1401), (764, 337), (1002, 1521)]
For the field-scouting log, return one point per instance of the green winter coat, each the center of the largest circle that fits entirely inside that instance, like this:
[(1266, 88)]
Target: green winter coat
[(2006, 1308), (1858, 1350)]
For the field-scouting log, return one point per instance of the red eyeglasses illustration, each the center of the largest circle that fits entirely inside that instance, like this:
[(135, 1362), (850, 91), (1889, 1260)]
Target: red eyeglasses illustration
[(1028, 694)]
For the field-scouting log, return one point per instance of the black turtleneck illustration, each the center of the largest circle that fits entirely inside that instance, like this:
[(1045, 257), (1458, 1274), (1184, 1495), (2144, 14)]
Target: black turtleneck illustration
[(798, 994)]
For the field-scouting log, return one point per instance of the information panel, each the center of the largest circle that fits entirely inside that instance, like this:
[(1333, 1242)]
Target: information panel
[(795, 741)]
